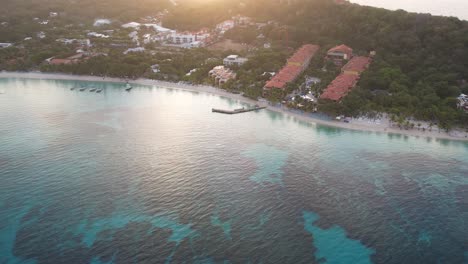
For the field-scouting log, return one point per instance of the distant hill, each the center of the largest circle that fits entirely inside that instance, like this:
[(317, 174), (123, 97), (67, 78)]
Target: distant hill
[(80, 9)]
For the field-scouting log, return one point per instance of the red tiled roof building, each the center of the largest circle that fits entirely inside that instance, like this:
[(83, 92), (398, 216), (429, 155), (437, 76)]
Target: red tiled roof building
[(339, 87), (339, 54), (295, 65), (347, 80), (356, 65)]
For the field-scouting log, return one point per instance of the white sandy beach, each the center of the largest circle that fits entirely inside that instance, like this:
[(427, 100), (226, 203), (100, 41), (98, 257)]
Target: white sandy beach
[(361, 124)]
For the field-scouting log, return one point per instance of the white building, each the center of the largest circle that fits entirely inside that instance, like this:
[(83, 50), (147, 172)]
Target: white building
[(158, 28), (134, 36), (234, 60), (225, 26), (5, 45), (101, 22), (463, 102), (155, 68), (139, 49), (82, 42), (221, 74), (132, 25), (97, 35), (41, 35), (187, 37)]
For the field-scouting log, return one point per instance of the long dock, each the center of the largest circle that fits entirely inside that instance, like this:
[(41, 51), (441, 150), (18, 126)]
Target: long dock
[(237, 111)]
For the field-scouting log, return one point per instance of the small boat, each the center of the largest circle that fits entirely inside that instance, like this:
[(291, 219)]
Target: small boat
[(82, 89), (73, 88), (98, 90), (128, 87), (92, 89), (239, 109)]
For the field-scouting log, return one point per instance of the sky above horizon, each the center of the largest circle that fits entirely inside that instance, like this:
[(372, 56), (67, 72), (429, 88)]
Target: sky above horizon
[(458, 8)]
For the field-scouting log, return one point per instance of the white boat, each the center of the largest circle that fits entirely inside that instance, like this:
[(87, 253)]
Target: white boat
[(128, 87)]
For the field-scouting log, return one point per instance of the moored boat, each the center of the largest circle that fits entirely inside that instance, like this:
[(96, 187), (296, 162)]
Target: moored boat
[(128, 87)]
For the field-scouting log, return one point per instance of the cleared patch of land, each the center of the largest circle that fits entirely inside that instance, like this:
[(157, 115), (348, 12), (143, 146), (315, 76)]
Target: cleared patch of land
[(228, 44)]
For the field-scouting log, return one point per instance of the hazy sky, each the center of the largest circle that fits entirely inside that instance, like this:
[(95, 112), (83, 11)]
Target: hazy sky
[(458, 8)]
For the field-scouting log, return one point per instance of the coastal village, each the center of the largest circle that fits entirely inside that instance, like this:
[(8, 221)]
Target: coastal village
[(239, 55)]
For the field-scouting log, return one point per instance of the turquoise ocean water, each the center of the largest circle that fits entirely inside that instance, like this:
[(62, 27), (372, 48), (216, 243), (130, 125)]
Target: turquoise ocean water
[(152, 176)]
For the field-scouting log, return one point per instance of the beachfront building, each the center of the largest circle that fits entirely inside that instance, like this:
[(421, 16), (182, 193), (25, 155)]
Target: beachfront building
[(339, 54), (221, 74), (462, 102), (234, 60), (295, 65), (347, 80), (340, 87)]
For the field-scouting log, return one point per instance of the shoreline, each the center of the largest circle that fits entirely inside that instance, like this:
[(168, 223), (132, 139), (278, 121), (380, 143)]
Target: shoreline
[(381, 126)]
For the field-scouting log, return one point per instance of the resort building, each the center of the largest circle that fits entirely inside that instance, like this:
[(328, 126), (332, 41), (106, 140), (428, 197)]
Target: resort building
[(339, 54), (234, 60), (356, 65), (41, 34), (137, 49), (221, 74), (242, 20), (462, 102), (189, 37), (340, 87), (101, 22), (347, 80), (295, 65), (97, 35), (225, 26), (5, 45), (134, 25)]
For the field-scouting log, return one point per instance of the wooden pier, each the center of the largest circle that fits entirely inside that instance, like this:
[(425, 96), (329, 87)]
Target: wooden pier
[(237, 111)]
